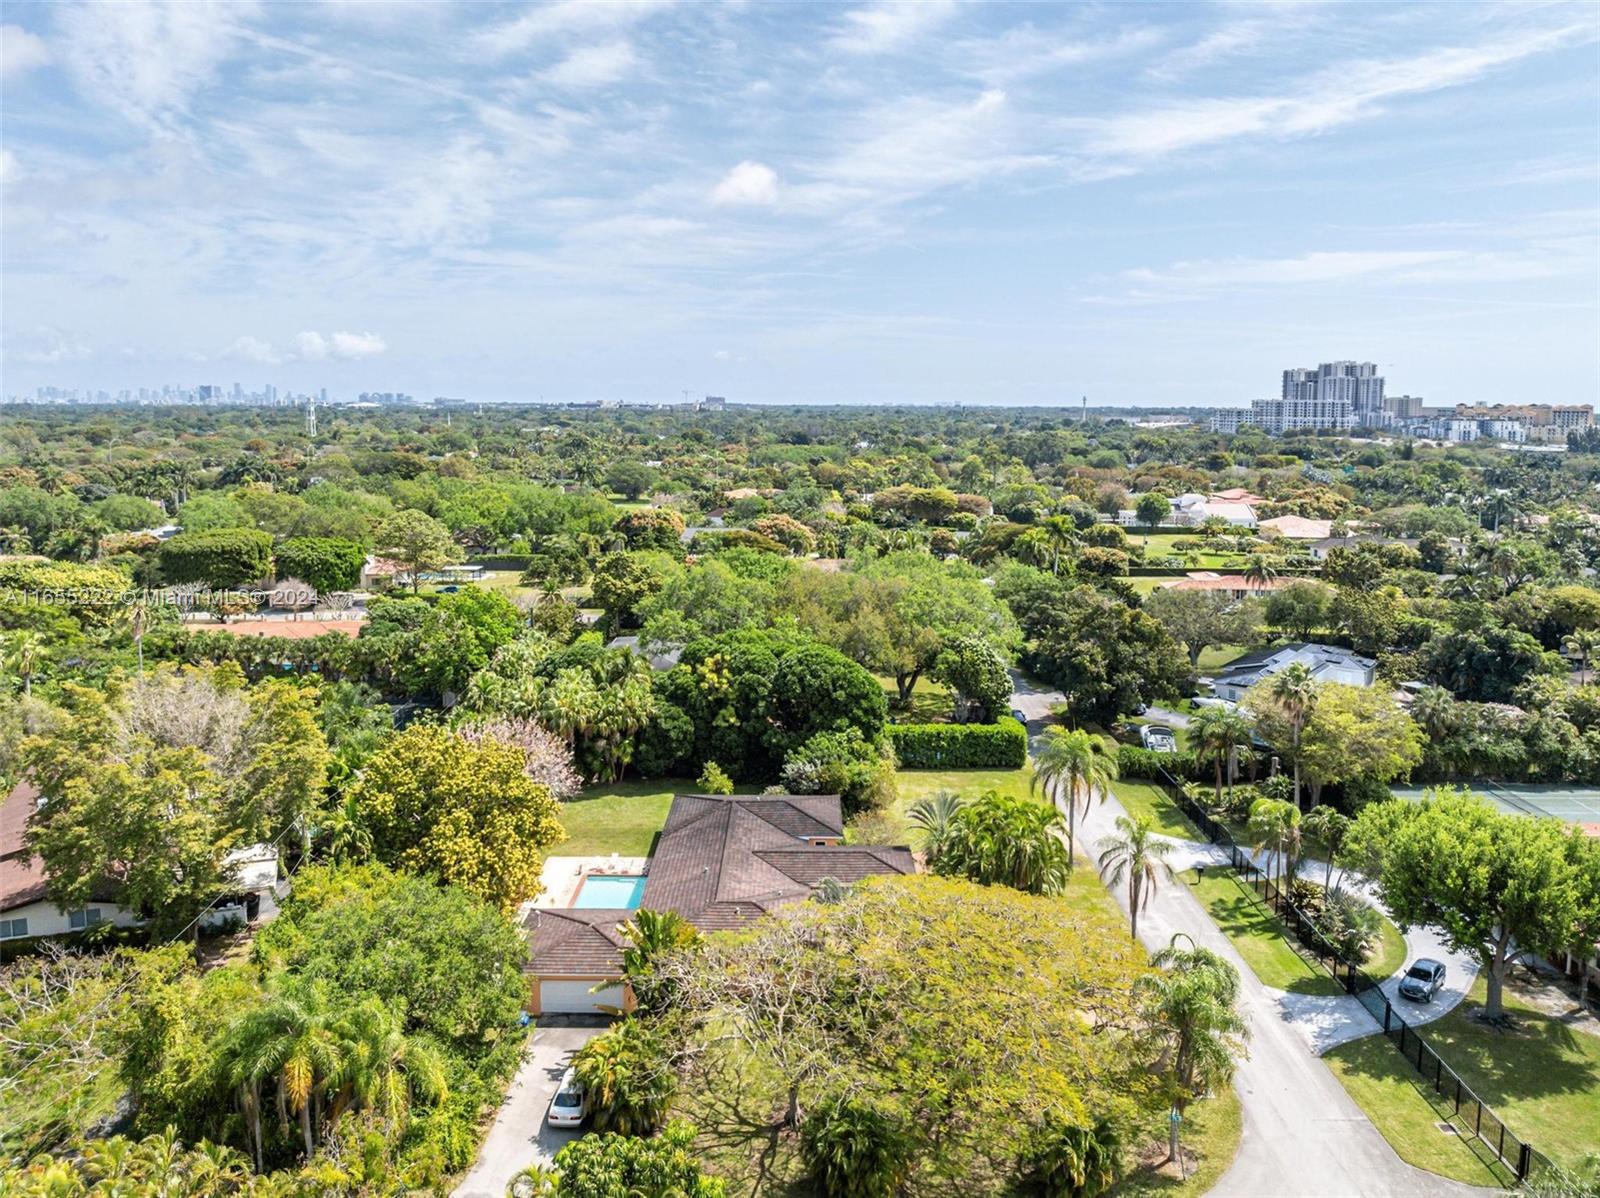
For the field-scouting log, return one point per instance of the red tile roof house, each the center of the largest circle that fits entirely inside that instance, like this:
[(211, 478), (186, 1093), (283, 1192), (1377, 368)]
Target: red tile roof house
[(25, 908), (721, 861)]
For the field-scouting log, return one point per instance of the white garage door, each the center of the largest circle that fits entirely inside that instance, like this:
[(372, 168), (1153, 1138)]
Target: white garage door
[(577, 998)]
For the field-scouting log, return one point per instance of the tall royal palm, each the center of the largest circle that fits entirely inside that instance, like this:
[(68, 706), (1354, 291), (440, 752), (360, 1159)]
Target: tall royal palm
[(1216, 734), (1138, 855), (1072, 766), (1294, 690)]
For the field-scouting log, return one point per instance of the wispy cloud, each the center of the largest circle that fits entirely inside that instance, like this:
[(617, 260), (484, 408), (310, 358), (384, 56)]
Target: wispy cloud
[(1336, 96), (563, 18), (308, 346), (594, 66), (890, 25)]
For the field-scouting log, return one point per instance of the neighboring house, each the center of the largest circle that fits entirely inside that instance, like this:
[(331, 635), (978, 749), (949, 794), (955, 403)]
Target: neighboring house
[(664, 660), (1235, 586), (381, 573), (1327, 663), (1196, 509), (1319, 550), (25, 909), (1237, 495), (721, 861), (1297, 528)]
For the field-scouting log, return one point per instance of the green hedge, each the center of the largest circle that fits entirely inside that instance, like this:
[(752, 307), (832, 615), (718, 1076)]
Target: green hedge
[(1001, 745), (225, 557), (1135, 761)]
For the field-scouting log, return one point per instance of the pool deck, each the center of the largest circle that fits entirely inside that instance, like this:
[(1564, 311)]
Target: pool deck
[(563, 876)]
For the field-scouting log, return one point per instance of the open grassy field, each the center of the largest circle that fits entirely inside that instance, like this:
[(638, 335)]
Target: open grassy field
[(1257, 934), (622, 817), (1542, 1076), (1408, 1113)]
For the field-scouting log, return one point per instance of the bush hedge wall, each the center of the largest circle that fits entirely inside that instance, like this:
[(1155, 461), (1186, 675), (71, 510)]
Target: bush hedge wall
[(998, 746)]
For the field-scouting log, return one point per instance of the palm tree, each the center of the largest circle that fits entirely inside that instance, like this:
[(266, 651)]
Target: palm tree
[(1330, 826), (1583, 644), (1275, 827), (1499, 506), (1138, 855), (25, 654), (1076, 764), (1192, 1002), (1433, 709), (1294, 690), (288, 1042), (137, 613), (1216, 734), (651, 935), (1004, 840), (1261, 572), (380, 1068), (934, 816)]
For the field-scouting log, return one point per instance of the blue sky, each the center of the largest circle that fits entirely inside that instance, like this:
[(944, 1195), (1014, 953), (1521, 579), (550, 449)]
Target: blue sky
[(935, 201)]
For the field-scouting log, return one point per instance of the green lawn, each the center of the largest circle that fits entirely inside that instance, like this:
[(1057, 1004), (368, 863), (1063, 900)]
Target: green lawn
[(1408, 1113), (1257, 934), (1149, 800), (1390, 957), (1211, 1130), (919, 784), (1217, 656), (930, 701), (1542, 1076), (623, 817)]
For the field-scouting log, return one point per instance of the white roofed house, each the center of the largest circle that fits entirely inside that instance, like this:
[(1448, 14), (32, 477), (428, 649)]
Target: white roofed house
[(1327, 663)]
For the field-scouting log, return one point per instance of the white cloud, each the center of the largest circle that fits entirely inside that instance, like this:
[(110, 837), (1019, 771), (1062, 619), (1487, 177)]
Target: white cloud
[(252, 349), (563, 18), (1347, 92), (9, 170), (748, 184), (46, 345), (346, 347), (1317, 267), (20, 51), (890, 25), (593, 66)]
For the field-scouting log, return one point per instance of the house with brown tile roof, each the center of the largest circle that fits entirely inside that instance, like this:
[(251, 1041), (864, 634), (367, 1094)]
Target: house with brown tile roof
[(26, 910), (721, 861)]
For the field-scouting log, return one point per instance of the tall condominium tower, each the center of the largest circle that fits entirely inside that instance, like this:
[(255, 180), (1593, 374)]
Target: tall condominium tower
[(1357, 383)]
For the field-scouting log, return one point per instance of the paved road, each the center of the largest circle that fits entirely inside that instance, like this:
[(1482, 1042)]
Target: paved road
[(520, 1137), (1303, 1134)]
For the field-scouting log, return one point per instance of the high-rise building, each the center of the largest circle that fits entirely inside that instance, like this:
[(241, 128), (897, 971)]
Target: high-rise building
[(1356, 383)]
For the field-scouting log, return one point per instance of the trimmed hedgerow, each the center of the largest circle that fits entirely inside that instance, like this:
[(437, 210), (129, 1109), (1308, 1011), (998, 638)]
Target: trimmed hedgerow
[(1001, 745)]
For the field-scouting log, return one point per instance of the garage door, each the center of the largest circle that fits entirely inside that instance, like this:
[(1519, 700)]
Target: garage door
[(575, 997)]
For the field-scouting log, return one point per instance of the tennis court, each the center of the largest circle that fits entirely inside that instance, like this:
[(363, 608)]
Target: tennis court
[(1574, 804)]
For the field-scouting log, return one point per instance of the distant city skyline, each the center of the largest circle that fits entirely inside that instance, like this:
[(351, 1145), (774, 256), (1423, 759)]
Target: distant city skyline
[(1161, 205)]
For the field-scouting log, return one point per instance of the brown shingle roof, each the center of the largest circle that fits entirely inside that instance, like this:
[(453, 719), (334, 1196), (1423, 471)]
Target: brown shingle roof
[(581, 943), (722, 860)]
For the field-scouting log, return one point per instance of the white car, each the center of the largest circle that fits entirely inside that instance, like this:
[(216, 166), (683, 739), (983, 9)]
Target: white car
[(570, 1106)]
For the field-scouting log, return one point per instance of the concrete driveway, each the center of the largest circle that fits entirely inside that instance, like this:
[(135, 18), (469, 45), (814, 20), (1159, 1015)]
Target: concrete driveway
[(520, 1136)]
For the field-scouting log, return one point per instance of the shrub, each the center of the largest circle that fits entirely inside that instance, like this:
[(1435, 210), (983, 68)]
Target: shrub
[(1001, 745), (844, 763), (327, 563), (714, 780), (853, 1148), (1135, 761), (627, 1077)]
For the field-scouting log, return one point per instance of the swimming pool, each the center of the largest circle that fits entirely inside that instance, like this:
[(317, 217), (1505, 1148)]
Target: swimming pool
[(610, 890)]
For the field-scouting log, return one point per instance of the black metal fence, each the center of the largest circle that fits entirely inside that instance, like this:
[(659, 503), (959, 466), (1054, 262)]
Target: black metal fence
[(1470, 1115)]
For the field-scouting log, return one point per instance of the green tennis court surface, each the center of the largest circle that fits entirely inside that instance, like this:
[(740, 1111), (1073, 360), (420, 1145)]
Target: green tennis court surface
[(1574, 804)]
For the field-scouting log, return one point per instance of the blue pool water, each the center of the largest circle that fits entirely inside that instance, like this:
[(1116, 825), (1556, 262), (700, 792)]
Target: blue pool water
[(610, 890)]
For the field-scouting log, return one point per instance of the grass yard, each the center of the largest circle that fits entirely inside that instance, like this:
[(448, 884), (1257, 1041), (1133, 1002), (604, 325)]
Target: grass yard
[(1257, 934), (1217, 656), (1408, 1113), (919, 784), (1149, 800), (623, 817), (931, 701), (1210, 1138), (1542, 1076)]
